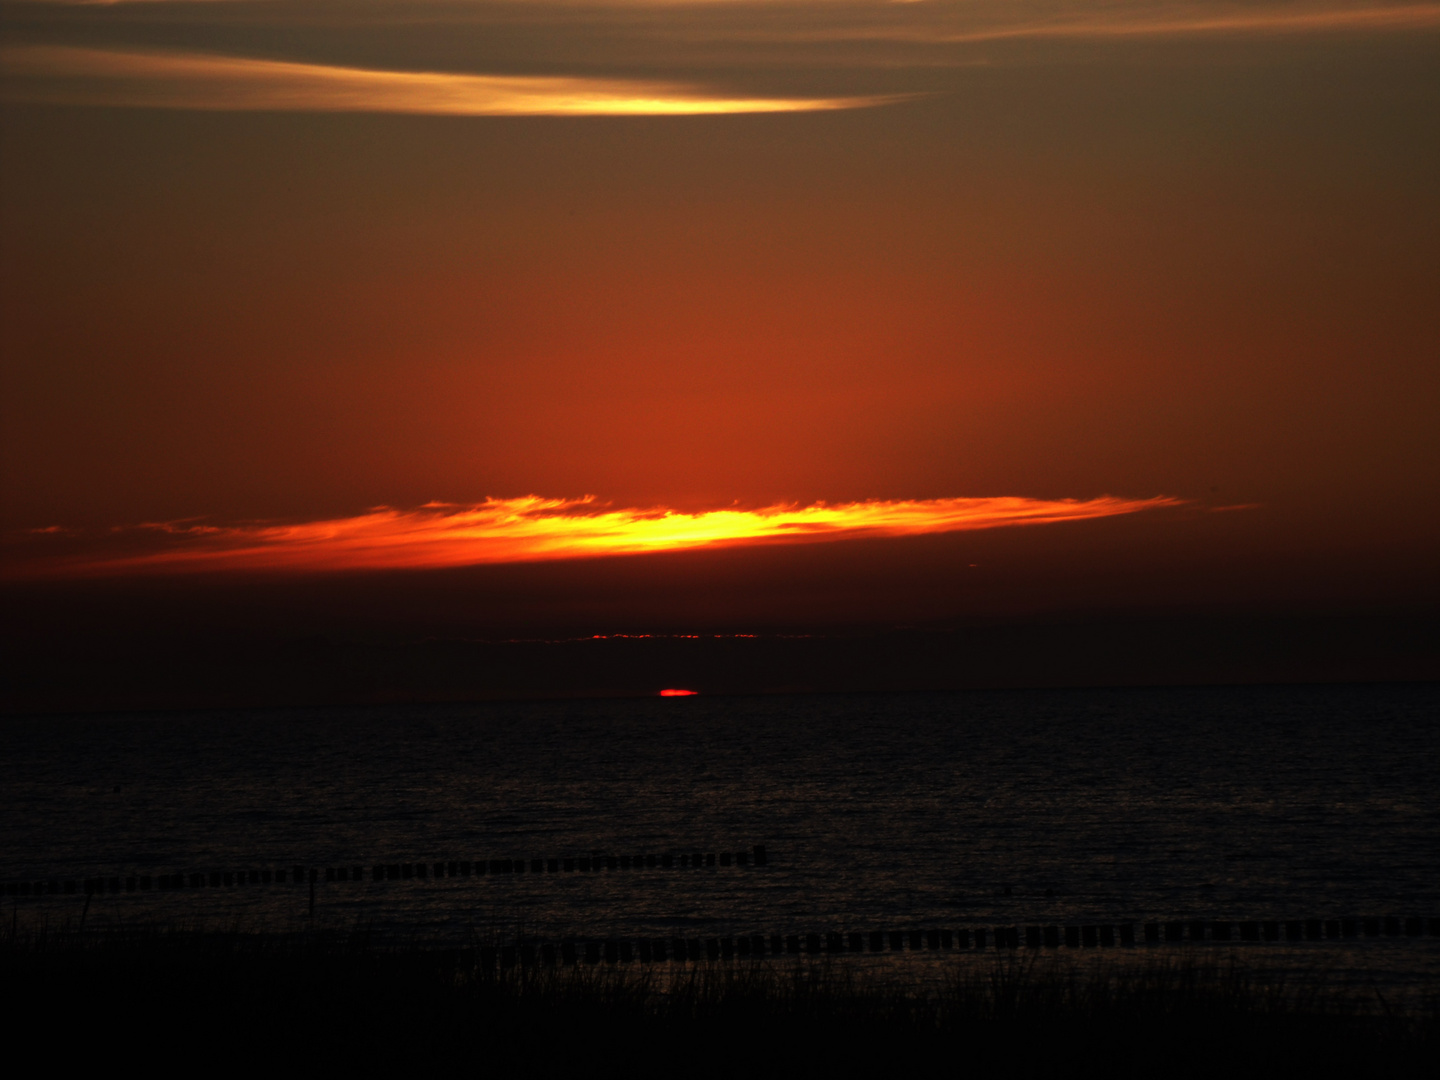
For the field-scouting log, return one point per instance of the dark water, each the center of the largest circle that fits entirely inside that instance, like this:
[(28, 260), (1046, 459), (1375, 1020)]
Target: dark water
[(877, 811)]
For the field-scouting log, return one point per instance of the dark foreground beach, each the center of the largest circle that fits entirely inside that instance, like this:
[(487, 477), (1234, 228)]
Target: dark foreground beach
[(186, 999)]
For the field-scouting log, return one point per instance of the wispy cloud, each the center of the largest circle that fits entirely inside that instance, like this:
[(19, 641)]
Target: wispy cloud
[(939, 23), (1134, 21), (86, 76), (534, 529), (966, 20)]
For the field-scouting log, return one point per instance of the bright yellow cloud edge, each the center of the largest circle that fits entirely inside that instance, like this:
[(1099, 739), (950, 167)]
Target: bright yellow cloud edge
[(109, 77), (533, 529)]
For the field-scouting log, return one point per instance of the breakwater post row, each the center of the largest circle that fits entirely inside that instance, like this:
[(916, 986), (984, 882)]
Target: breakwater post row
[(758, 946), (409, 871)]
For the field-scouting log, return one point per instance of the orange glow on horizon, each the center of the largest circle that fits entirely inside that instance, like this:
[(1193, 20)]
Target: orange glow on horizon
[(678, 693), (533, 529)]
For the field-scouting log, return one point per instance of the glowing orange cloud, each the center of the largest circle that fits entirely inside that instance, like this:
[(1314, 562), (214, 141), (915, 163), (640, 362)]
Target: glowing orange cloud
[(531, 529), (66, 75)]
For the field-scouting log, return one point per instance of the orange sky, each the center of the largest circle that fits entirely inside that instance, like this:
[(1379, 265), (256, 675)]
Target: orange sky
[(285, 264)]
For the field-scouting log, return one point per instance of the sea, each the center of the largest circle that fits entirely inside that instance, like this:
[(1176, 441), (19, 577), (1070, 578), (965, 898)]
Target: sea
[(960, 811)]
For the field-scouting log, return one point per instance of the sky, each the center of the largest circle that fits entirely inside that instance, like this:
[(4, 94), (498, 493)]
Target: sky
[(947, 309)]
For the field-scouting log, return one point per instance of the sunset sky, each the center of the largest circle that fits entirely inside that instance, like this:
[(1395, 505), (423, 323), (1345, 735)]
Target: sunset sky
[(277, 276)]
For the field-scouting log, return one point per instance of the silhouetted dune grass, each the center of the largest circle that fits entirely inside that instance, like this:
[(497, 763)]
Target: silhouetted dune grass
[(229, 1001)]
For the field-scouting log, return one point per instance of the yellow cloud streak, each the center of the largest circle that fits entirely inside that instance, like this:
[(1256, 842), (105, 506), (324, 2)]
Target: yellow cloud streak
[(62, 75), (536, 529)]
